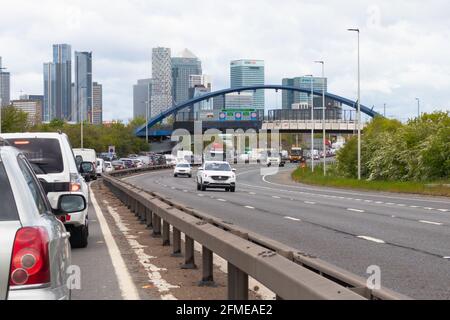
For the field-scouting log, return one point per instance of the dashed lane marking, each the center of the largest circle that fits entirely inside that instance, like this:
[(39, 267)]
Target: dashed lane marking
[(293, 219), (249, 207), (309, 202), (222, 200), (371, 239), (431, 222), (276, 197), (355, 210)]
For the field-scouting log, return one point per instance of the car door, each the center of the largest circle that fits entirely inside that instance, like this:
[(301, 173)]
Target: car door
[(59, 247)]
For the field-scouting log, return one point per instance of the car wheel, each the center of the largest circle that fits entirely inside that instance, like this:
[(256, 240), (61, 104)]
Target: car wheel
[(79, 237), (175, 175), (202, 187), (233, 189), (198, 186), (190, 176), (227, 189)]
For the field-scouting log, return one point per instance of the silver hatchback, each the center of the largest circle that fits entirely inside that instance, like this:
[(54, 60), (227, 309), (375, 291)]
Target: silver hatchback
[(34, 244)]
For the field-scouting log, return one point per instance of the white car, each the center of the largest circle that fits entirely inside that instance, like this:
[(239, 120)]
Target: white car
[(100, 166), (51, 157), (108, 166), (273, 159), (182, 169), (216, 174)]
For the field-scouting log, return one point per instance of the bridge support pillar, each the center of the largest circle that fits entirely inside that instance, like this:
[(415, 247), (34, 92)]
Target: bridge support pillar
[(237, 283), (189, 258), (166, 233), (207, 268), (156, 226), (176, 243)]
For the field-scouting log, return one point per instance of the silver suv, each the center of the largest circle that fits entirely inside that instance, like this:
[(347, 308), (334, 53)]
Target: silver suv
[(34, 244)]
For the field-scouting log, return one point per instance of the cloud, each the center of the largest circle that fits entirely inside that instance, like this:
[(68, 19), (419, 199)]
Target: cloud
[(404, 44)]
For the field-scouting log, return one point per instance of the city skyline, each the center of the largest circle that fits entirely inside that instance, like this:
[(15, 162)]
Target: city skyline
[(391, 72)]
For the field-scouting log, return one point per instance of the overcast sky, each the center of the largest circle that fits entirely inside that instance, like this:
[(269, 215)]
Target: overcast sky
[(405, 45)]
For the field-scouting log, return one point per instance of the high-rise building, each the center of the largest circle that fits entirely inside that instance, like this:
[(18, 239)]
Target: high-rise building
[(243, 100), (289, 98), (97, 103), (247, 73), (183, 67), (199, 79), (141, 97), (82, 108), (58, 84), (4, 87), (161, 97), (33, 109)]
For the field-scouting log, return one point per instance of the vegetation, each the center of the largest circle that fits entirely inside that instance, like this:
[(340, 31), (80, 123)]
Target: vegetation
[(412, 157), (97, 137)]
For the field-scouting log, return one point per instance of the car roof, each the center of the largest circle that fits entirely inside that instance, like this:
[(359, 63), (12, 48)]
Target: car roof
[(8, 150), (30, 135), (209, 162)]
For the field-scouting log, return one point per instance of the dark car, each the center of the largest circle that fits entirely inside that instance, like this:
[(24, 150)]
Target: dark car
[(118, 165)]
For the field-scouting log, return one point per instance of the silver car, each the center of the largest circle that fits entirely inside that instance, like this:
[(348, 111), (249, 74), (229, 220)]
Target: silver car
[(34, 244)]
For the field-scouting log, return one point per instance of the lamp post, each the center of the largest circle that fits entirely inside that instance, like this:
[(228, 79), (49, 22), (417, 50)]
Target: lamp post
[(323, 117), (418, 107), (359, 107), (1, 95), (312, 120)]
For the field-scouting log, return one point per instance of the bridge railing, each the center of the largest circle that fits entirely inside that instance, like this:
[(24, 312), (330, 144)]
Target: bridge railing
[(285, 271), (304, 115)]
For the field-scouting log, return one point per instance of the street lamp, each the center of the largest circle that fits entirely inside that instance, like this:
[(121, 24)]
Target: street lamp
[(418, 107), (323, 117), (312, 120), (1, 96), (359, 107)]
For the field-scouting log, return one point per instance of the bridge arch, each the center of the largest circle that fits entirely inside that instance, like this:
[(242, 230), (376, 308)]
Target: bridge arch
[(175, 109)]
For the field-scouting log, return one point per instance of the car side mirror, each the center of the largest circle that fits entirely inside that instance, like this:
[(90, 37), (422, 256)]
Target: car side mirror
[(70, 203)]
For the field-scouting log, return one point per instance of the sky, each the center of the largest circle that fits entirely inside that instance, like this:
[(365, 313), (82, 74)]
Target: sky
[(405, 45)]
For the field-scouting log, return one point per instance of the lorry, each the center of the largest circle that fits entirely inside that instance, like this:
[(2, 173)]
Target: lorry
[(296, 154)]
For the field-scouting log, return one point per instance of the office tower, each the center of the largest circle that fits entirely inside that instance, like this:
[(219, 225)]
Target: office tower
[(82, 108), (199, 79), (243, 100), (247, 73), (4, 86), (58, 84), (141, 96), (161, 97), (289, 98), (97, 103), (33, 109), (183, 67)]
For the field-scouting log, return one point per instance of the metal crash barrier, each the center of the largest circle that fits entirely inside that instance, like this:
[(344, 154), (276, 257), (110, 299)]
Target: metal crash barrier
[(291, 275)]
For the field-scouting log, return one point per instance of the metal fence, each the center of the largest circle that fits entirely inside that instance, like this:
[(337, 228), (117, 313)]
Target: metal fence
[(287, 272)]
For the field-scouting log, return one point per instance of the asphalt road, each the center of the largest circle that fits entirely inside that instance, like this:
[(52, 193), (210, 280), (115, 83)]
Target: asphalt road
[(407, 236)]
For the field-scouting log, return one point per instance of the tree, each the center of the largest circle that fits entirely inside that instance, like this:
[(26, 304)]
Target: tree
[(14, 120)]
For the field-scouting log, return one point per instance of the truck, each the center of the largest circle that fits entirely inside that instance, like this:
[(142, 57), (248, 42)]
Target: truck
[(296, 154)]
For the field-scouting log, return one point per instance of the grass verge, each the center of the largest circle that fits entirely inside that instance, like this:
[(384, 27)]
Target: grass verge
[(437, 188)]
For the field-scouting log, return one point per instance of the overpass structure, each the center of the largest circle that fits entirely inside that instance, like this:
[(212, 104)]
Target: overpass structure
[(175, 109)]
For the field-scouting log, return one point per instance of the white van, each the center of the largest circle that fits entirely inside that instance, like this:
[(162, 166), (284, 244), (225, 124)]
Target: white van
[(87, 155), (52, 159), (100, 166)]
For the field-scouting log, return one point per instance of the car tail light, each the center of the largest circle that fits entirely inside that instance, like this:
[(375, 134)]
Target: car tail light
[(30, 258)]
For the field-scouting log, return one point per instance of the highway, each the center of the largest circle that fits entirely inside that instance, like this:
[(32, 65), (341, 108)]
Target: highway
[(407, 236)]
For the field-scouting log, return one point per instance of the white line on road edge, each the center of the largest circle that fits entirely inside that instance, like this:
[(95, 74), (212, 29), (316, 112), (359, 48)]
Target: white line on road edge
[(293, 219), (371, 239), (249, 207), (126, 284), (431, 222), (355, 210)]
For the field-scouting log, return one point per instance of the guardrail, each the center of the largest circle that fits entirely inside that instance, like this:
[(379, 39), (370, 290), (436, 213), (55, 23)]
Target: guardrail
[(288, 273)]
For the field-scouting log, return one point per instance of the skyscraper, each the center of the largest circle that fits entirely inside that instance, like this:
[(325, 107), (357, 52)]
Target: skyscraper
[(141, 96), (289, 98), (161, 97), (4, 86), (82, 108), (247, 73), (182, 68), (58, 84), (97, 103)]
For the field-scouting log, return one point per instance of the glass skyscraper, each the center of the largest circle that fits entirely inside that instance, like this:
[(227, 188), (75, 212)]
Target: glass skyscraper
[(141, 96), (4, 87), (182, 68), (247, 73), (57, 84), (161, 97), (82, 108), (290, 97)]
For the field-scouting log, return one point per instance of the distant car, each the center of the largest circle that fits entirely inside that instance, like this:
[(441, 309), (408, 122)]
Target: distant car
[(100, 166), (182, 169), (108, 167), (129, 163), (272, 159), (34, 244), (138, 163), (118, 165), (171, 160), (216, 174)]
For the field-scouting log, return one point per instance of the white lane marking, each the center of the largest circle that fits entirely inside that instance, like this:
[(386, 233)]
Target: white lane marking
[(126, 284), (390, 203), (414, 206), (447, 258), (368, 200), (293, 219), (379, 202), (222, 200), (431, 222), (428, 208), (249, 207), (276, 197), (355, 210), (185, 191), (252, 193), (371, 239), (309, 202), (401, 205), (173, 188), (443, 210)]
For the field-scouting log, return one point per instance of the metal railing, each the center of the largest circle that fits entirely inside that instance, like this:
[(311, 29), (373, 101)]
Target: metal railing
[(285, 271)]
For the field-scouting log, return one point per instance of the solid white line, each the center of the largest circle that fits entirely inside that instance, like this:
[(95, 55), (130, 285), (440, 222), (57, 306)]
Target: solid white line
[(431, 222), (293, 219), (371, 239), (355, 210), (126, 285), (249, 207)]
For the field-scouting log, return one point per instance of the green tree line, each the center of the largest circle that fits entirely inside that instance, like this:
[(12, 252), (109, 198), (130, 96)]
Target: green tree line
[(97, 137), (418, 150)]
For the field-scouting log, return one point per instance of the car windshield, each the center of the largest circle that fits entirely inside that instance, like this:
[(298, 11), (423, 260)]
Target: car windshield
[(183, 165), (8, 209), (217, 167), (44, 154)]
